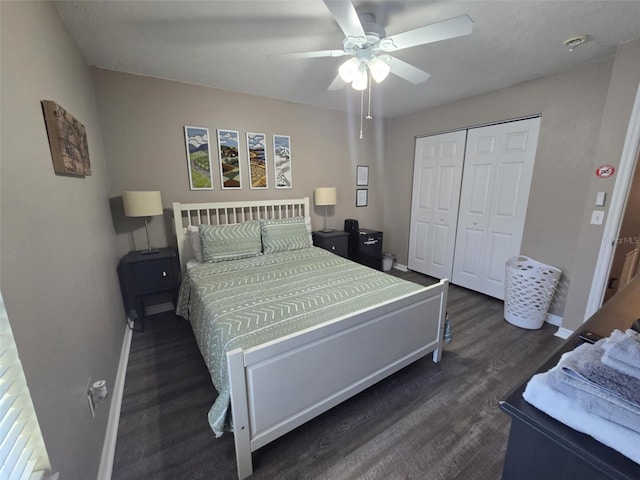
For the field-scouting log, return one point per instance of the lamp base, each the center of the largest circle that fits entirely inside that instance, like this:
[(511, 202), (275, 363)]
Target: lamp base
[(149, 249), (327, 230)]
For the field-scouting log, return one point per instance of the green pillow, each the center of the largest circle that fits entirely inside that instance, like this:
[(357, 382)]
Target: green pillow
[(284, 234), (230, 242)]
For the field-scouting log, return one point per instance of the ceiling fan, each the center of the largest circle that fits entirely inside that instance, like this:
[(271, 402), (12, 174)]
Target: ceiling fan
[(368, 46)]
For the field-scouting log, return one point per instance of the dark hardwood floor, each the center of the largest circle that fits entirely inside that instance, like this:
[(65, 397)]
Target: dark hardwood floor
[(428, 421)]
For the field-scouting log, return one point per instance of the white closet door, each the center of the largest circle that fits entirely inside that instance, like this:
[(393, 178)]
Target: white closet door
[(493, 203), (437, 175)]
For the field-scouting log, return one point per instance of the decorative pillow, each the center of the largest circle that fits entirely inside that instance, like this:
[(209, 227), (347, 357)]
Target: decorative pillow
[(194, 239), (284, 234), (230, 242)]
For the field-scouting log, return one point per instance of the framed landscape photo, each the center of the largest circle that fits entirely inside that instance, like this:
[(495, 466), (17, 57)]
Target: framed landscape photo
[(282, 160), (257, 153), (362, 175), (199, 158), (229, 155), (362, 197)]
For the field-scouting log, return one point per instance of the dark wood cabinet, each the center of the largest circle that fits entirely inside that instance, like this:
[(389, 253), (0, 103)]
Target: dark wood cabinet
[(542, 447), (336, 241), (144, 277)]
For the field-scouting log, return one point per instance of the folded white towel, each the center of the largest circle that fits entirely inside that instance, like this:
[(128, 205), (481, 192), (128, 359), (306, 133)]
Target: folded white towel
[(567, 410), (622, 352)]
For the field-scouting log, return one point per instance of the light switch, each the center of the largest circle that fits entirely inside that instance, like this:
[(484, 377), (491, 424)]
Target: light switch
[(600, 198), (597, 217)]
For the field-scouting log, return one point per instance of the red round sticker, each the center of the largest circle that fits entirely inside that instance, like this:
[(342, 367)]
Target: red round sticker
[(605, 171)]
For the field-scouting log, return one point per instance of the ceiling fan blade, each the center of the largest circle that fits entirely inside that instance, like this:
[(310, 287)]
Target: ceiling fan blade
[(316, 54), (404, 70), (347, 19), (451, 28), (337, 83)]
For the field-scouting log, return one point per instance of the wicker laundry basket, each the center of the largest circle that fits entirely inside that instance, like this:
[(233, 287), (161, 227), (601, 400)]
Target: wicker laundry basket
[(529, 289)]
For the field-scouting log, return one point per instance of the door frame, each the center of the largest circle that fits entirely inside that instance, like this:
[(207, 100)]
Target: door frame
[(619, 196)]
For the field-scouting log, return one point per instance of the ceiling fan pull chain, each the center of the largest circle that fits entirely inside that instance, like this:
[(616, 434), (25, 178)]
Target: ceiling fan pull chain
[(369, 117), (361, 111)]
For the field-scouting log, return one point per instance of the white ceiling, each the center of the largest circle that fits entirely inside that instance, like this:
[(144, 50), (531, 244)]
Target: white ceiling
[(225, 44)]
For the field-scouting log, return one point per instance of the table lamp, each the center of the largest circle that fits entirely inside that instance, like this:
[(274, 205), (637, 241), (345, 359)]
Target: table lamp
[(143, 204), (325, 197)]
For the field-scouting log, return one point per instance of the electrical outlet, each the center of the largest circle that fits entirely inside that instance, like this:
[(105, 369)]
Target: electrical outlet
[(92, 403)]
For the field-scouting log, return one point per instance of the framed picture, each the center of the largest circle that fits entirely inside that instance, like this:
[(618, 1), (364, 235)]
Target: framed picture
[(362, 175), (257, 153), (282, 160), (362, 197), (199, 158), (67, 141), (228, 154)]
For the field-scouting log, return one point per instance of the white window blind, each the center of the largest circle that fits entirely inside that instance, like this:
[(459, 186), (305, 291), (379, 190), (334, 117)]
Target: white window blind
[(23, 455)]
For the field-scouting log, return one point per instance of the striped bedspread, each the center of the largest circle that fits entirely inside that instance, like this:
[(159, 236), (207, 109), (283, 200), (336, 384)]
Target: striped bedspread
[(246, 302)]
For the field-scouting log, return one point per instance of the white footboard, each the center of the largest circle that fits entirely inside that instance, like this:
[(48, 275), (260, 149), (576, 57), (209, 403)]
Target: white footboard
[(278, 386)]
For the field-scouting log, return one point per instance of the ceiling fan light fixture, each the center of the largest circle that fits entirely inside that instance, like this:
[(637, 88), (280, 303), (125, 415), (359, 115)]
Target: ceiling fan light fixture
[(349, 69), (360, 80), (379, 68)]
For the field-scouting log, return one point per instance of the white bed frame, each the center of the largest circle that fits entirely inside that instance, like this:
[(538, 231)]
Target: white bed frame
[(279, 385)]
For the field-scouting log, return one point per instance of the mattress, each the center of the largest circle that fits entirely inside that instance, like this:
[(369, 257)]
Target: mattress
[(244, 303)]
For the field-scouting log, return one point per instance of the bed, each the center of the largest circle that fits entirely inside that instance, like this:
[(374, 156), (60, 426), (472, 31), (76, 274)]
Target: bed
[(289, 333)]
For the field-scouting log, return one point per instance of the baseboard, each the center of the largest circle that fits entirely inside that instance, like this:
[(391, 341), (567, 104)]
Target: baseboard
[(553, 319), (563, 333), (401, 267), (111, 435)]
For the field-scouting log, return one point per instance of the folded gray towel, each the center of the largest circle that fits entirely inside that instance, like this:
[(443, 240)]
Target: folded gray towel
[(592, 398), (622, 352), (585, 363)]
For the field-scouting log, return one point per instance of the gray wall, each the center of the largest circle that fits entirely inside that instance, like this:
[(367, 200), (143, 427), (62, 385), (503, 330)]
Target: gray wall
[(58, 245), (623, 87), (142, 120), (571, 104)]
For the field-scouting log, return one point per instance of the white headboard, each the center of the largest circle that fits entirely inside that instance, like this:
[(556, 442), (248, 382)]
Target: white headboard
[(225, 213)]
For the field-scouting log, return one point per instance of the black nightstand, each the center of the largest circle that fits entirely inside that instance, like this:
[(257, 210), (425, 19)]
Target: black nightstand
[(143, 276), (336, 242)]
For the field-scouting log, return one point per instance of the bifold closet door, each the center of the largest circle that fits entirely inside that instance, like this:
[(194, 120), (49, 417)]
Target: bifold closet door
[(498, 168), (437, 175)]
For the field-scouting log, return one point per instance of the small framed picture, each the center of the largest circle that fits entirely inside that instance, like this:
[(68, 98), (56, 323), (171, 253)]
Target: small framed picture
[(282, 160), (257, 153), (198, 158), (362, 175), (228, 154), (362, 197)]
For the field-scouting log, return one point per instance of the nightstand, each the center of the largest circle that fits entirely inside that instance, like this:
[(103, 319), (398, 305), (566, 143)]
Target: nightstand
[(145, 277), (335, 241)]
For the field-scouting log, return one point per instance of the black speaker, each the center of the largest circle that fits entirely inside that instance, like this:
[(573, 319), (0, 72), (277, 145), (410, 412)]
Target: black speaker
[(351, 226)]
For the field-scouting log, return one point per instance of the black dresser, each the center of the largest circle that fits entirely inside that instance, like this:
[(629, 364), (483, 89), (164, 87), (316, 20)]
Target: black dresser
[(541, 447)]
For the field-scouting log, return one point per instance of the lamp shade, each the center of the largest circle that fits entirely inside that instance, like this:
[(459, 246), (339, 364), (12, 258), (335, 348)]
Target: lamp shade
[(325, 196), (379, 67), (348, 69), (142, 204)]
